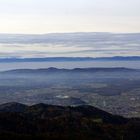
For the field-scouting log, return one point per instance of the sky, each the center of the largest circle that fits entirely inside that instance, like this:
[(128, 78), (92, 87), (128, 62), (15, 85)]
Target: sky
[(49, 16), (65, 16)]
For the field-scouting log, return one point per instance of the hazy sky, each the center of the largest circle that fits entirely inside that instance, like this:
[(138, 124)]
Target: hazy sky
[(45, 16)]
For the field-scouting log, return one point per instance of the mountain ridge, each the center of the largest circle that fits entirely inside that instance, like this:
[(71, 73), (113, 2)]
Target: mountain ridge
[(65, 59), (53, 69), (42, 121)]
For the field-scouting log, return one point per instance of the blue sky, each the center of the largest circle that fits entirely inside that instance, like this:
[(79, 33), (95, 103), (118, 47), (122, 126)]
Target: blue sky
[(46, 16)]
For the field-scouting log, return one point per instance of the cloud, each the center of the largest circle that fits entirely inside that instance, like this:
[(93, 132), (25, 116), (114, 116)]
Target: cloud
[(67, 45)]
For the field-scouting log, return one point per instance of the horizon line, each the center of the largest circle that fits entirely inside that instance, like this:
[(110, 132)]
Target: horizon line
[(5, 33)]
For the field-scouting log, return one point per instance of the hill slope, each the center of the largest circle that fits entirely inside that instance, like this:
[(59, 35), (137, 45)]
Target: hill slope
[(49, 122)]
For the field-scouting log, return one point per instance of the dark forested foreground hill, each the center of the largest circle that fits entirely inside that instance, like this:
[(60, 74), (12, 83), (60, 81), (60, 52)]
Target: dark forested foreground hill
[(47, 122)]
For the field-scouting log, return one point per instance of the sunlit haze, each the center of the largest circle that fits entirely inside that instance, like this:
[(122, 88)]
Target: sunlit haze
[(47, 16)]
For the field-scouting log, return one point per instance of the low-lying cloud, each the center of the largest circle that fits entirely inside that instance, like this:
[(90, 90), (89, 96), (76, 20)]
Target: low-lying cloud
[(69, 45)]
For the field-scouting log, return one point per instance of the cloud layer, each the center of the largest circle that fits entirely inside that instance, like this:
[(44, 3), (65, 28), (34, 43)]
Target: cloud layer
[(69, 45)]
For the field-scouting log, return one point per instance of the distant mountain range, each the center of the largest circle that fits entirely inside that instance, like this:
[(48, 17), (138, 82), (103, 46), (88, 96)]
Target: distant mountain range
[(41, 121), (75, 70), (65, 59)]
